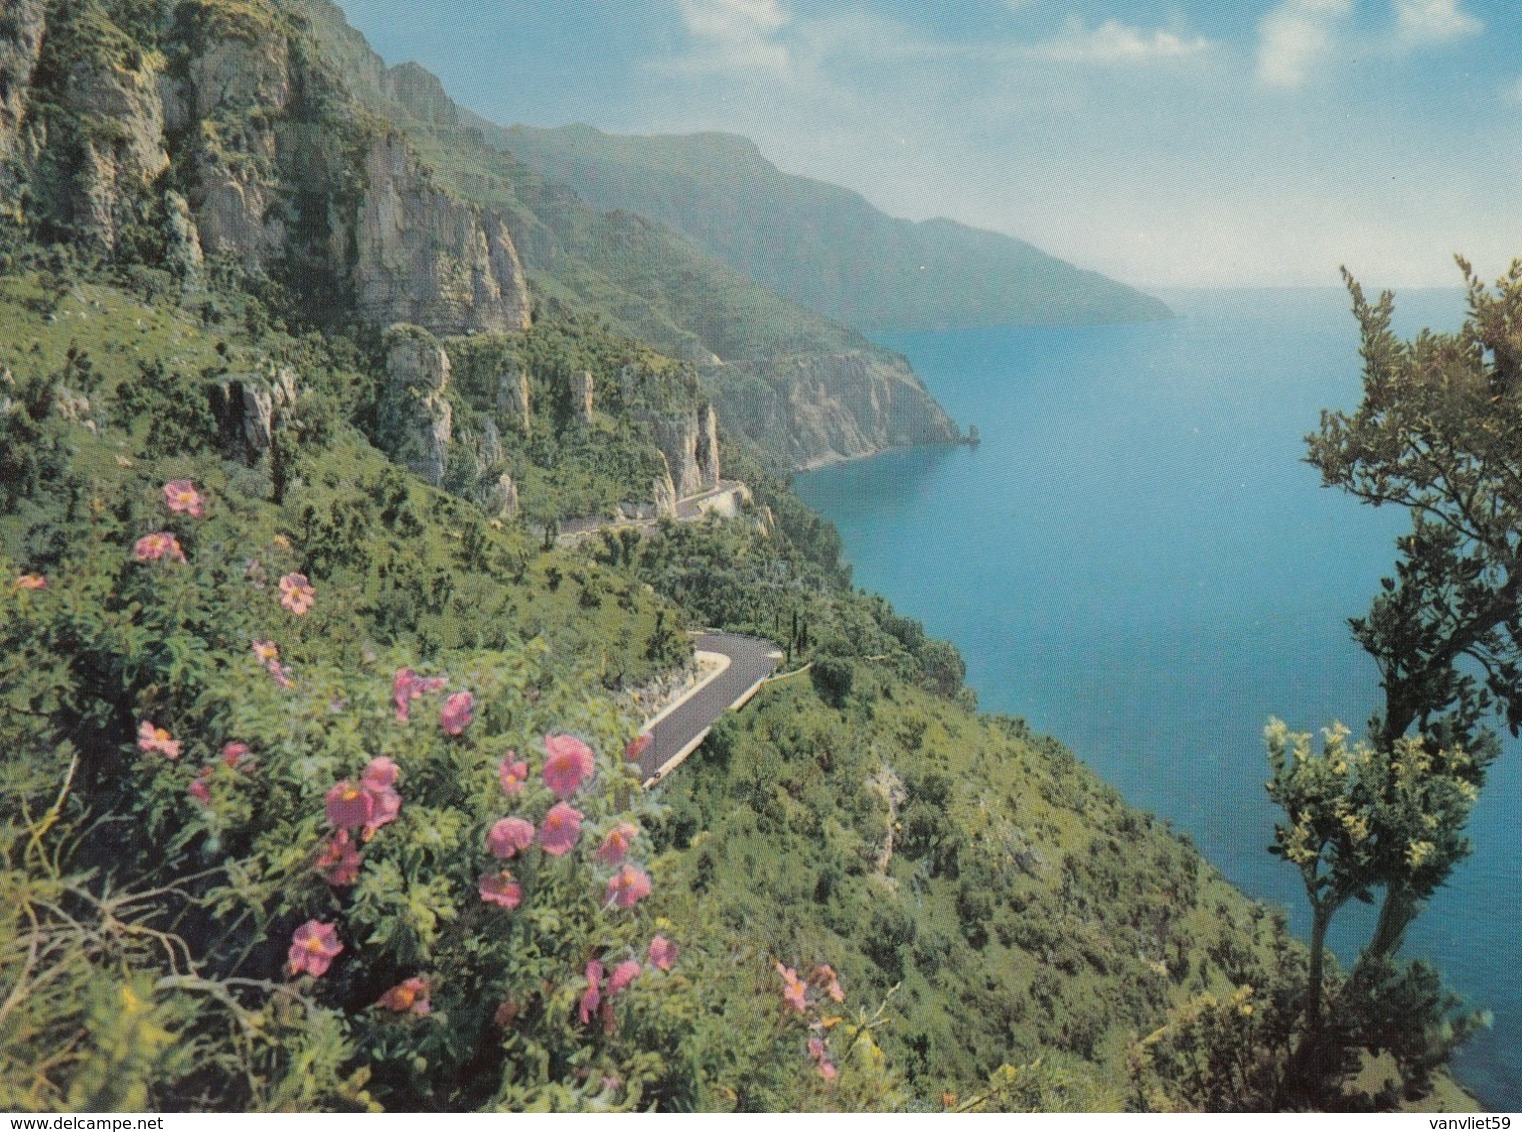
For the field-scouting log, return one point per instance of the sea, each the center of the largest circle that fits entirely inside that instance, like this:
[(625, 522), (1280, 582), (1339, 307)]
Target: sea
[(1137, 560)]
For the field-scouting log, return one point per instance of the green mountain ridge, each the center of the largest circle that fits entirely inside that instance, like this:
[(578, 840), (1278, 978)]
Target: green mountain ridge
[(818, 244)]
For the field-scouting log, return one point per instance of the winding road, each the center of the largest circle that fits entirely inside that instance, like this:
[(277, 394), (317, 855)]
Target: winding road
[(679, 729)]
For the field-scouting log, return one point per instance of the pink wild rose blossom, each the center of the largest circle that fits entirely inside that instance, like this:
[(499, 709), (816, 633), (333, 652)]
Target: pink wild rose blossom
[(592, 996), (512, 774), (407, 686), (560, 829), (297, 594), (314, 946), (199, 788), (338, 862), (380, 774), (500, 888), (31, 582), (662, 953), (569, 764), (410, 996), (160, 544), (628, 887), (615, 846), (182, 496), (151, 738), (794, 990), (509, 837), (624, 974), (349, 806), (456, 714), (385, 807)]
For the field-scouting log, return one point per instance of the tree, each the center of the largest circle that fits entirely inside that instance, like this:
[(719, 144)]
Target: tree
[(1439, 432)]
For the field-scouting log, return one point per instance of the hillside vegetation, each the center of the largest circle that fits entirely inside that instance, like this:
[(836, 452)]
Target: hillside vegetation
[(317, 789)]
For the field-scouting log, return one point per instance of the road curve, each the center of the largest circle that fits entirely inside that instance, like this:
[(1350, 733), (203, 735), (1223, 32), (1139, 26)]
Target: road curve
[(677, 734)]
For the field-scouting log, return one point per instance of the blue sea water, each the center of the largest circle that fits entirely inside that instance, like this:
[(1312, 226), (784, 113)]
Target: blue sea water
[(1138, 561)]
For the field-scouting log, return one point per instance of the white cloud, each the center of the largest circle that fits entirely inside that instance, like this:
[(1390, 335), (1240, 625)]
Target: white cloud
[(736, 34), (1423, 23), (1114, 42), (1297, 36)]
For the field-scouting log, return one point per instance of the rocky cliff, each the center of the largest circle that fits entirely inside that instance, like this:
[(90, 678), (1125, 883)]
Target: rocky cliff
[(822, 409), (689, 442), (224, 130)]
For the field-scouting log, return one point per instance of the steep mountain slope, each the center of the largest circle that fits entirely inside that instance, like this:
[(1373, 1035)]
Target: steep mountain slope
[(818, 244)]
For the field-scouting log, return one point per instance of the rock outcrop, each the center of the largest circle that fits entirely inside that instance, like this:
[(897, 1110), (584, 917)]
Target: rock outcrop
[(417, 421), (224, 110), (20, 44), (513, 402), (825, 408), (248, 408), (582, 387), (689, 443), (426, 257)]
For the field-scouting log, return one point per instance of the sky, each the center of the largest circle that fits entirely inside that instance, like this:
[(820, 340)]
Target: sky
[(1189, 143)]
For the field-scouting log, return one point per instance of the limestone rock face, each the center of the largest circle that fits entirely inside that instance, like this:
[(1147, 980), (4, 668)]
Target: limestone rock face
[(690, 445), (664, 492), (501, 499), (513, 397), (581, 396), (417, 420), (236, 88), (247, 408), (426, 257), (118, 166), (826, 408), (20, 43)]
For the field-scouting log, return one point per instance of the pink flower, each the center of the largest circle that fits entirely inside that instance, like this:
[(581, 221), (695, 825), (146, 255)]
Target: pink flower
[(591, 997), (509, 837), (512, 774), (31, 582), (628, 887), (637, 747), (266, 651), (455, 716), (624, 974), (615, 846), (200, 790), (560, 829), (380, 774), (160, 544), (181, 495), (349, 806), (385, 806), (794, 990), (236, 756), (500, 888), (821, 1055), (570, 761), (825, 978), (281, 673), (338, 862), (410, 996), (313, 948), (827, 1069), (297, 594), (408, 686), (151, 738), (662, 953)]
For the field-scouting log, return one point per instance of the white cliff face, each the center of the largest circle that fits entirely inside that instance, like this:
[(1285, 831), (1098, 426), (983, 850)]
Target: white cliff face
[(20, 45), (426, 257), (417, 419), (689, 442), (825, 408)]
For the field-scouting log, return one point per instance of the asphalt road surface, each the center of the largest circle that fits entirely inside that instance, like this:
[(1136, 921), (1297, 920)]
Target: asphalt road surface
[(751, 661)]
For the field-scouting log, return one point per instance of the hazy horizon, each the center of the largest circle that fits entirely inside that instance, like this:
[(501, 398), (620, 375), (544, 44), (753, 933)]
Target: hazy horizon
[(1165, 144)]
